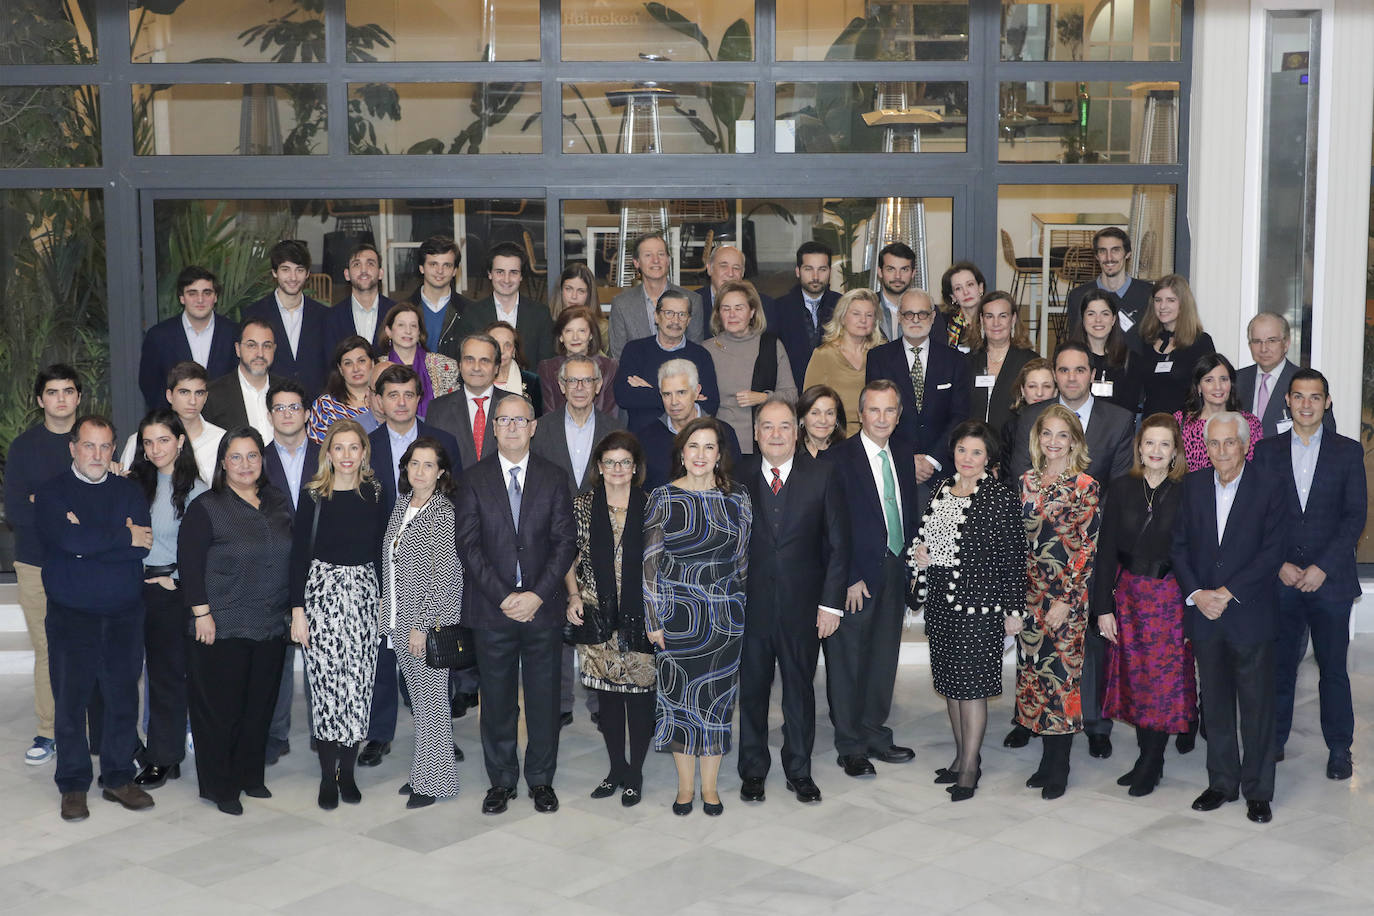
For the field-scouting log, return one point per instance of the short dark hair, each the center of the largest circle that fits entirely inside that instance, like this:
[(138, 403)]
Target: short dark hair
[(486, 339), (880, 384), (1112, 232), (977, 429), (91, 419), (335, 386), (1067, 346), (671, 293), (436, 245), (192, 273), (445, 483), (613, 440), (218, 482), (1192, 405), (814, 247), (724, 466), (567, 317), (255, 322), (56, 372), (390, 317), (398, 375), (644, 237), (506, 250), (285, 386), (1310, 375), (947, 279), (186, 370), (293, 250), (360, 248), (897, 250)]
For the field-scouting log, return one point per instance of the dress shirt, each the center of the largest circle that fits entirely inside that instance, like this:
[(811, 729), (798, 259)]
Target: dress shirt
[(1260, 375), (581, 441), (199, 342), (509, 317), (364, 319), (293, 463), (84, 479), (1305, 463), (1083, 411), (891, 325), (651, 305), (681, 345), (255, 405), (291, 320), (875, 464), (814, 307), (487, 405), (399, 443), (1225, 498), (784, 471), (206, 449)]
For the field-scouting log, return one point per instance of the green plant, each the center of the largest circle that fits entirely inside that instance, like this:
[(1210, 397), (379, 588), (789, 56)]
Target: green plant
[(213, 238), (726, 100)]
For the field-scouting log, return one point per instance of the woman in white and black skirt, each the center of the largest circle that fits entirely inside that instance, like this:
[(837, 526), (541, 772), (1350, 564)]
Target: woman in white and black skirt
[(335, 555), (422, 587), (970, 553)]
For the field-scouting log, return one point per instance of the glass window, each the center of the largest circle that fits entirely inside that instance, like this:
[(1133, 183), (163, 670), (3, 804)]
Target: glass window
[(1088, 122), (443, 118), (445, 29), (872, 117), (653, 117), (44, 32), (631, 30), (252, 119), (49, 126), (246, 31), (1092, 30), (872, 30)]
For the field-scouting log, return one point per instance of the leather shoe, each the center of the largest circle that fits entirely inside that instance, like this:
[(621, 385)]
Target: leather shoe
[(155, 777), (606, 788), (1100, 746), (405, 790), (128, 795), (458, 754), (1019, 736), (545, 801), (894, 753), (804, 788), (1339, 765), (682, 809), (751, 790), (565, 720), (1259, 812), (497, 797), (373, 752), (856, 766), (232, 806), (1211, 800), (417, 800), (258, 792), (629, 798), (945, 776), (74, 806)]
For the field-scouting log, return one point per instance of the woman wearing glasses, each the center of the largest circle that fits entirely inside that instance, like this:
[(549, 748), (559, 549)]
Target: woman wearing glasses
[(750, 361)]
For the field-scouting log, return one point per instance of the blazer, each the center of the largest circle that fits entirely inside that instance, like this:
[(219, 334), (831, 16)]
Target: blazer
[(165, 345), (428, 579), (994, 404), (309, 365), (868, 540), (1328, 530), (451, 337), (944, 405), (1246, 561), (276, 472), (1277, 408), (489, 543), (338, 322), (532, 321), (804, 562), (630, 321), (551, 442), (1110, 436), (224, 401), (384, 463), (790, 319), (449, 414)]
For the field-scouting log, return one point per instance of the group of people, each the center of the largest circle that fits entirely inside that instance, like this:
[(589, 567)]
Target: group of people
[(730, 486)]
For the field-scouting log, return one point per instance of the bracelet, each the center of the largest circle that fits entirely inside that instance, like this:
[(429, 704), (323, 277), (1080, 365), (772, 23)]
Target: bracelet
[(206, 614)]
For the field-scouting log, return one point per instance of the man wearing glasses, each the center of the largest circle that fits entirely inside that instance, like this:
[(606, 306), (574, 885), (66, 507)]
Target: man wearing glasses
[(240, 398), (636, 391), (1112, 248), (1263, 386)]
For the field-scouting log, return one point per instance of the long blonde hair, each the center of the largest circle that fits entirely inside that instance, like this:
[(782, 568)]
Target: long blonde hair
[(834, 328), (1187, 327), (321, 486), (1079, 461)]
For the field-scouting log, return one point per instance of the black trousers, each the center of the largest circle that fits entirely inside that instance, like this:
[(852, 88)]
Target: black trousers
[(386, 696), (164, 644), (232, 687), (1232, 676), (1094, 683), (622, 713), (861, 665), (508, 659), (792, 646)]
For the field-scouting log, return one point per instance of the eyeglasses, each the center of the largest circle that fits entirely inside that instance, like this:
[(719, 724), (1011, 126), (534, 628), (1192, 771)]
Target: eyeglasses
[(680, 316), (249, 458), (617, 464), (520, 422), (1266, 342), (580, 382), (916, 316), (287, 408)]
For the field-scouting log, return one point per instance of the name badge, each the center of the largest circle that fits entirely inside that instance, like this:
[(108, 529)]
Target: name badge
[(1102, 389), (963, 349), (1125, 321), (1284, 426), (985, 381), (944, 386), (1166, 366)]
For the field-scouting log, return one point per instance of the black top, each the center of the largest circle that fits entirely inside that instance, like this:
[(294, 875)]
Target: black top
[(993, 405), (36, 456), (1166, 391), (1125, 379), (1127, 540), (350, 533)]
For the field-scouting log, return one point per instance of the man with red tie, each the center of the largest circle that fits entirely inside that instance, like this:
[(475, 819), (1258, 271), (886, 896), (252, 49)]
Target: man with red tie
[(467, 413)]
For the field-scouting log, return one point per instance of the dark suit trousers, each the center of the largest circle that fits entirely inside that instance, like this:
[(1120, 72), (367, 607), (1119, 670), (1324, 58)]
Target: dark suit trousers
[(795, 653), (1093, 683), (386, 696), (508, 659), (1328, 622), (1230, 676), (164, 642), (861, 665), (232, 687)]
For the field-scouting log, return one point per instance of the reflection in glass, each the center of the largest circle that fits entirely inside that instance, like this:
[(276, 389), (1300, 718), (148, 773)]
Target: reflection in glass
[(49, 126), (253, 119), (1090, 122), (692, 30), (872, 30), (651, 117), (247, 31), (452, 29), (1092, 30), (871, 117), (46, 32), (433, 118)]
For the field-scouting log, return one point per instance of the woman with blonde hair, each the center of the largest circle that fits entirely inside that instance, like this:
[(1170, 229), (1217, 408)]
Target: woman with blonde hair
[(335, 559), (1174, 342), (999, 348), (842, 358)]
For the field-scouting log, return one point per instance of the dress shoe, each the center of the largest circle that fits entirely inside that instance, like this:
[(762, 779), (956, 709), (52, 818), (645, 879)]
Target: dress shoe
[(856, 766), (565, 720), (461, 703), (1053, 790), (1339, 765), (458, 754), (1100, 746), (596, 718), (976, 777), (945, 776), (545, 800), (712, 809), (630, 797), (258, 792), (74, 806), (1036, 780), (1019, 736), (1259, 812), (804, 788), (349, 793), (1185, 742), (606, 788), (373, 752), (328, 798), (233, 806), (961, 793), (682, 809), (417, 800), (497, 797), (405, 790), (1211, 800), (155, 777), (751, 790), (894, 753), (128, 795)]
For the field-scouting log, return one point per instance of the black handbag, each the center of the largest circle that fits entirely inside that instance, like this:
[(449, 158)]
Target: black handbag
[(450, 647)]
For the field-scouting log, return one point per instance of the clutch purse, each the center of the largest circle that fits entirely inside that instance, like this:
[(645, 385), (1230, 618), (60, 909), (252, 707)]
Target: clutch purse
[(449, 647)]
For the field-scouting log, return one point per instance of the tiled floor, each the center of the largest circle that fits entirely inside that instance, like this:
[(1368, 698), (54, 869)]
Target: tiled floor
[(894, 844)]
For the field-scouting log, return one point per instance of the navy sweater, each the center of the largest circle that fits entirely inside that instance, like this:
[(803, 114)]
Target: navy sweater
[(643, 406), (91, 566), (36, 456)]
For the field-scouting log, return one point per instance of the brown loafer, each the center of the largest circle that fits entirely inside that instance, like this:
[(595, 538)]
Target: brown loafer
[(128, 795), (74, 806)]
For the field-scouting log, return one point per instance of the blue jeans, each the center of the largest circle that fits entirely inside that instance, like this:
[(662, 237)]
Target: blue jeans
[(1328, 622)]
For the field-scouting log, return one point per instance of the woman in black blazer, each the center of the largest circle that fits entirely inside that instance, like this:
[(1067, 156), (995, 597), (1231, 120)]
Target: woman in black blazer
[(1000, 349)]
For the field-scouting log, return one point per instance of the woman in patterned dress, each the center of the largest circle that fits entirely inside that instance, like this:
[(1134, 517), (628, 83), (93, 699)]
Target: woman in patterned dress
[(1214, 390), (403, 343), (1139, 608), (696, 550), (422, 588), (1059, 504), (345, 394), (335, 552), (606, 609)]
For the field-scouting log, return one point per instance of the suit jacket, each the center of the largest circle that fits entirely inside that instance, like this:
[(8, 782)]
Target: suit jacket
[(450, 414), (803, 562), (790, 319), (1246, 561), (451, 337), (532, 321), (309, 365), (165, 345), (993, 405), (630, 319), (868, 540), (384, 463), (338, 322), (1277, 408), (551, 442), (276, 472), (1327, 531), (1110, 436), (944, 405), (489, 542), (224, 401)]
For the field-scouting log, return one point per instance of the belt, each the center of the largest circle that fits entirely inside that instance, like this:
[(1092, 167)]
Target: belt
[(152, 572), (1150, 569)]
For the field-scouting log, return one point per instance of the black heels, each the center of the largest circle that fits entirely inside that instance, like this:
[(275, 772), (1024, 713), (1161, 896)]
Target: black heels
[(964, 793)]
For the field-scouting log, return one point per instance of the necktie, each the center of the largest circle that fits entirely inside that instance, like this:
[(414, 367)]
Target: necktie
[(918, 378), (891, 514), (479, 425), (777, 482), (513, 492), (1262, 399), (812, 326)]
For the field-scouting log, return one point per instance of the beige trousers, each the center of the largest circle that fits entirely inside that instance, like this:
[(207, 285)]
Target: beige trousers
[(34, 600)]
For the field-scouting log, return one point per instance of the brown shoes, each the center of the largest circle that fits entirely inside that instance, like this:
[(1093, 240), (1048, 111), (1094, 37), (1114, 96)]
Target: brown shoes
[(74, 806), (128, 795)]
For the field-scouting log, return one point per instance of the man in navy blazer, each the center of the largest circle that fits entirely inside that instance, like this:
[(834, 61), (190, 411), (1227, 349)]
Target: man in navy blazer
[(303, 347), (1323, 481), (878, 485), (1263, 387), (517, 541), (800, 315), (1228, 546), (364, 309), (199, 333)]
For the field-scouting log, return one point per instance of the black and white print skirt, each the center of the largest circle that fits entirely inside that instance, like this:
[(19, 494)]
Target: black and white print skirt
[(341, 663)]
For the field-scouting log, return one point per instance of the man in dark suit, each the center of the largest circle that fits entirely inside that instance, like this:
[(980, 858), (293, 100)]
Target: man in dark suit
[(517, 541), (1323, 480), (362, 312), (1112, 247), (505, 269), (1262, 387), (199, 333), (240, 398), (568, 437), (467, 414), (296, 320), (437, 295), (876, 483), (1228, 546), (799, 316), (798, 563), (680, 394), (635, 390)]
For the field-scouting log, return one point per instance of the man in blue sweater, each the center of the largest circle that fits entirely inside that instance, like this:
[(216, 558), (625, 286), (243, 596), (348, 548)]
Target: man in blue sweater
[(96, 530), (635, 390)]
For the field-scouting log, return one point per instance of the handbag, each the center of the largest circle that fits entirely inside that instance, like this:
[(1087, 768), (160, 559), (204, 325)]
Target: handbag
[(450, 647)]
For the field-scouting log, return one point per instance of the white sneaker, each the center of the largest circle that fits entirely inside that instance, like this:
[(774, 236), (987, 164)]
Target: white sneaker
[(43, 750)]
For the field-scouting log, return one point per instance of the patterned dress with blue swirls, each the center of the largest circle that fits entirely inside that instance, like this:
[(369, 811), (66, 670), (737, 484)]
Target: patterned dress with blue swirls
[(696, 549)]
